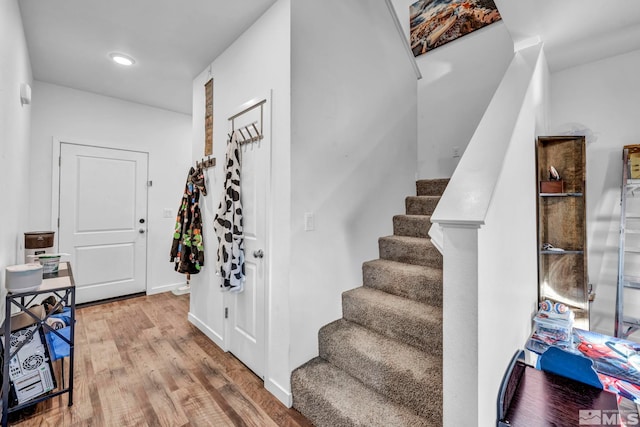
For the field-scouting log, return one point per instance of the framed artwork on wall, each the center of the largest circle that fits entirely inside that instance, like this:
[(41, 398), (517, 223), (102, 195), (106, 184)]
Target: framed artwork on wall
[(436, 22)]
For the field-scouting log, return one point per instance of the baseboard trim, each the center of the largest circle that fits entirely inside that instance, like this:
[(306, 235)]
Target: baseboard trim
[(210, 333), (282, 394), (108, 300), (165, 288)]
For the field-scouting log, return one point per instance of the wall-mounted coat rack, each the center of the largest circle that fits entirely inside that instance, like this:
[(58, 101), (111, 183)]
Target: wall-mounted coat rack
[(206, 163), (253, 131)]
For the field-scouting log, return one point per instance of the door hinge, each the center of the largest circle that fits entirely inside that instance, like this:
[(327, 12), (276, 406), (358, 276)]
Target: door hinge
[(58, 222), (59, 160), (226, 312)]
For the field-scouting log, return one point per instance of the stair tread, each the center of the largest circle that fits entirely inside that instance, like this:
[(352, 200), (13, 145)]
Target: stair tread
[(431, 186), (409, 268), (409, 239), (414, 216), (403, 319), (432, 180), (422, 199), (411, 225), (420, 205), (417, 282), (410, 250), (399, 304), (319, 384), (418, 277), (399, 371), (384, 350)]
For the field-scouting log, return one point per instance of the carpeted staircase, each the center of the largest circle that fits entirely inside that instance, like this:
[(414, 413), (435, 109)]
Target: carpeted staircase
[(381, 364)]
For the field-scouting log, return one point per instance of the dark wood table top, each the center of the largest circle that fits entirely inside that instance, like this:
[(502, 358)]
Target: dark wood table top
[(544, 399)]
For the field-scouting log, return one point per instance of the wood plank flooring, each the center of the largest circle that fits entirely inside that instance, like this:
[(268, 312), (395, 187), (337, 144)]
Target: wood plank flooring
[(139, 362)]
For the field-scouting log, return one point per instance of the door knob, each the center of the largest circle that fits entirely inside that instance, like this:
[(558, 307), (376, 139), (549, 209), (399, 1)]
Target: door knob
[(141, 231), (258, 254)]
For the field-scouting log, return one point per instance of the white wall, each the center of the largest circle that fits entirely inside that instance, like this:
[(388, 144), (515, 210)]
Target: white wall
[(459, 79), (353, 152), (82, 117), (15, 68), (256, 63), (602, 97)]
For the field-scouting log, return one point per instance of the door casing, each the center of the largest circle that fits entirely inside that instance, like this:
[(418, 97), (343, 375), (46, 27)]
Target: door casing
[(55, 185)]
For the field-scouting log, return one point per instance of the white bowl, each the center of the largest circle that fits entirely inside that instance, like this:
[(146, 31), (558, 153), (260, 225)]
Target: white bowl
[(23, 277)]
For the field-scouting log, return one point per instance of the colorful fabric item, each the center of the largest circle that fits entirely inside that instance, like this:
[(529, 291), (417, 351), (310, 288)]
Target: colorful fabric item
[(228, 224), (187, 250), (59, 346)]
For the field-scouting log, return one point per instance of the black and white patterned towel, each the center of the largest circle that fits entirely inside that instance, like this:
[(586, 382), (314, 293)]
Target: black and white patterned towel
[(228, 223)]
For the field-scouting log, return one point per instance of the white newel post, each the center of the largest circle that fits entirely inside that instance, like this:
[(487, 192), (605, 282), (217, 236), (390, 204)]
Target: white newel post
[(460, 324)]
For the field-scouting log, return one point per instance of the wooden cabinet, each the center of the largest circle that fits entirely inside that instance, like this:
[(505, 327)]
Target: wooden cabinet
[(562, 239)]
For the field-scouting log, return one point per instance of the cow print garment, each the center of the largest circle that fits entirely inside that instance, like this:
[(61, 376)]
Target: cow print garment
[(228, 223)]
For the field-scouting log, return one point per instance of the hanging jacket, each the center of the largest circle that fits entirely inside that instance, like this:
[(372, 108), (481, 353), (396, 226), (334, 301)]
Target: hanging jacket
[(187, 250), (228, 223)]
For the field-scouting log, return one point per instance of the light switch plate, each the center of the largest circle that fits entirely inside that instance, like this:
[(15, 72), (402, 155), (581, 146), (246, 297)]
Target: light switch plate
[(309, 221)]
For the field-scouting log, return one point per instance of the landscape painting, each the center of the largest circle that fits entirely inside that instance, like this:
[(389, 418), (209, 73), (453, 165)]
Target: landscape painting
[(436, 22)]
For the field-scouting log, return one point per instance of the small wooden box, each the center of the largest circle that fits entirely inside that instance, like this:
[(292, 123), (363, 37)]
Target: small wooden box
[(38, 239), (552, 186), (634, 165)]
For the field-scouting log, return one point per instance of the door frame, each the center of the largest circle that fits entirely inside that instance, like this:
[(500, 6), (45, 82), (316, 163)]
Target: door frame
[(56, 145), (266, 130)]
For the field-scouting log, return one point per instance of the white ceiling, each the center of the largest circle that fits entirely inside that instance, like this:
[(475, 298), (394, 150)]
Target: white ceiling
[(575, 31), (172, 41)]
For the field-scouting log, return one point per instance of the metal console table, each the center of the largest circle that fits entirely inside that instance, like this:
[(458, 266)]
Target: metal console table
[(63, 287)]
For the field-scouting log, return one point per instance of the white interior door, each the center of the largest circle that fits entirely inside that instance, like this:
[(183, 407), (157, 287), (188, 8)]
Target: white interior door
[(247, 308), (102, 219)]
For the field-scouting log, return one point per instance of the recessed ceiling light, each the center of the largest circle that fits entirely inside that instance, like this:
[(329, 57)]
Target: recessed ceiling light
[(122, 59)]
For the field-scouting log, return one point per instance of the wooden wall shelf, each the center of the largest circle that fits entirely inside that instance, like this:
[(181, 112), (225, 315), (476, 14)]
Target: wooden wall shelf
[(562, 275)]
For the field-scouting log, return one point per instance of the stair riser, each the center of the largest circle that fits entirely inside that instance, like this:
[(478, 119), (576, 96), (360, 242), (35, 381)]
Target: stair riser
[(419, 253), (432, 187), (420, 205), (421, 287), (317, 410), (397, 384), (423, 333), (411, 226)]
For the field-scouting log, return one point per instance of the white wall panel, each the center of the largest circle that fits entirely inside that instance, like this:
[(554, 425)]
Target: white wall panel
[(86, 118)]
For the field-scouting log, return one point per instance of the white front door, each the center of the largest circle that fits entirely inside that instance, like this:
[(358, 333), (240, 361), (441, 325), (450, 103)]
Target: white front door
[(247, 308), (102, 219)]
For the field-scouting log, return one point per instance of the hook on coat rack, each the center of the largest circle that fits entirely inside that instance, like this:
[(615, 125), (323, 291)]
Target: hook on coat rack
[(246, 130), (246, 136), (206, 163)]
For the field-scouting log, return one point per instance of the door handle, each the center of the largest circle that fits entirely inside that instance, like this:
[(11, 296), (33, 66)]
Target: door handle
[(141, 231), (258, 254)]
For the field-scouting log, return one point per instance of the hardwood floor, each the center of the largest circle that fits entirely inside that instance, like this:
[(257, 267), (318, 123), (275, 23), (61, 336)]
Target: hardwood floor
[(139, 362)]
